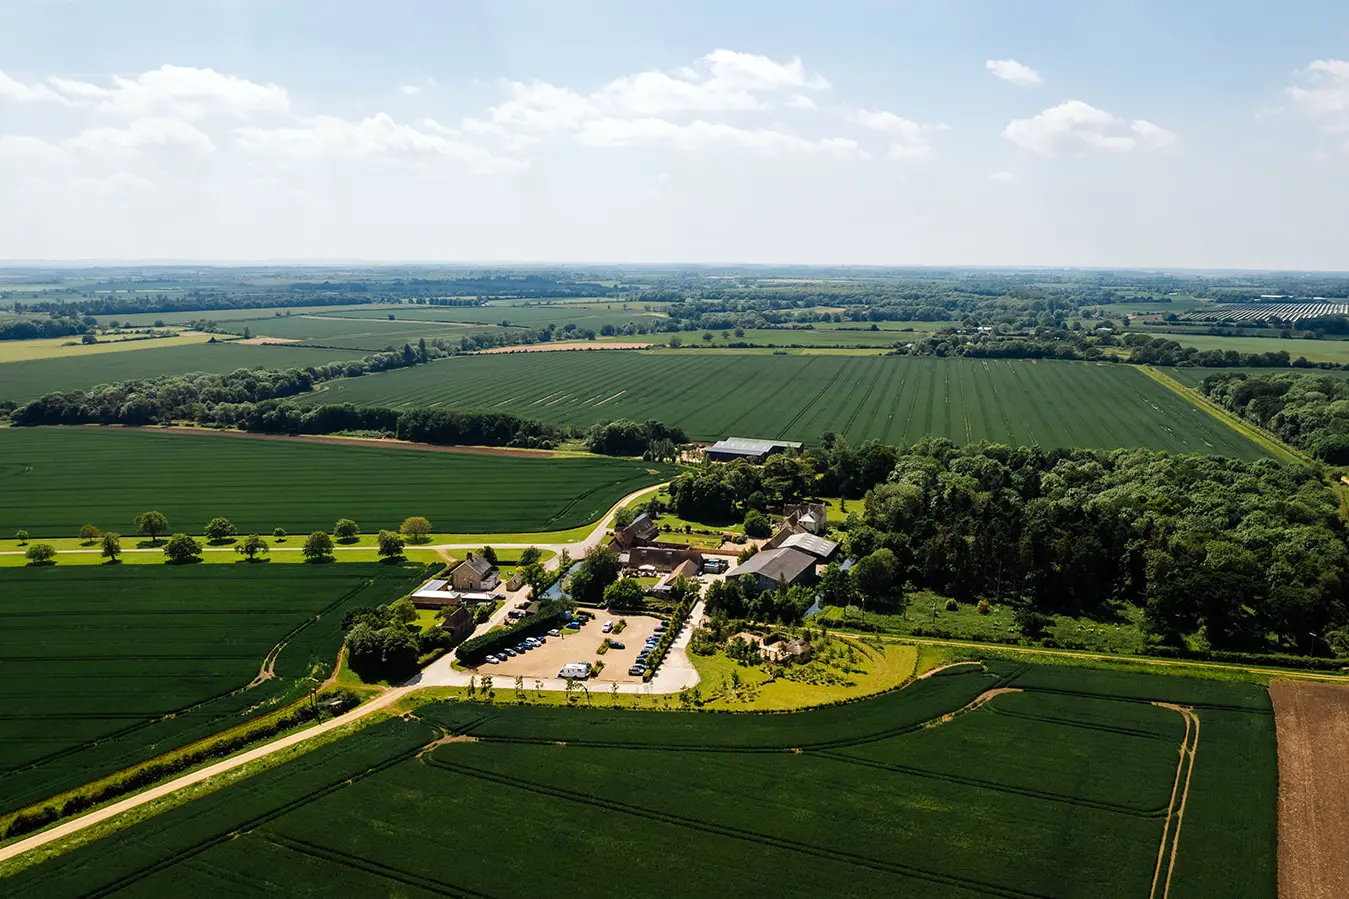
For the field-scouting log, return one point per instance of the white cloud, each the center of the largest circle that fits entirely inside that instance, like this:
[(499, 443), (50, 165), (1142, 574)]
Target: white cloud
[(409, 90), (908, 139), (13, 89), (142, 134), (114, 183), (22, 146), (1002, 177), (1013, 71), (700, 135), (377, 135), (801, 101), (1074, 125), (1326, 96), (182, 91)]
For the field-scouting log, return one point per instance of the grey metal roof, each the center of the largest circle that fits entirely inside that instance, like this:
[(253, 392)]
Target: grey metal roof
[(750, 447), (777, 564), (477, 563), (816, 546)]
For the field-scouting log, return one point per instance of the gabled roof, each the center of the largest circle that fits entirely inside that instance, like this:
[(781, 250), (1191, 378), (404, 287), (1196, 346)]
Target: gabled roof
[(641, 525), (777, 564), (745, 446), (478, 564), (809, 543)]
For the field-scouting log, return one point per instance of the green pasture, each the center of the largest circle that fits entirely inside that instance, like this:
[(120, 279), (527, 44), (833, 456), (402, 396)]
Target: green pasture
[(28, 380), (1059, 789), (890, 398), (96, 658), (56, 480), (1313, 350)]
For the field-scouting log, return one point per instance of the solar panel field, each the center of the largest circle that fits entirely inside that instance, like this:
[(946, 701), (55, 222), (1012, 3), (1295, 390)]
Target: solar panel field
[(262, 484), (984, 780), (890, 398), (108, 666)]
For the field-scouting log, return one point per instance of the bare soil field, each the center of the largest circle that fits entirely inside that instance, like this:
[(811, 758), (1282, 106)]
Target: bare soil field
[(562, 345), (1312, 722), (362, 441)]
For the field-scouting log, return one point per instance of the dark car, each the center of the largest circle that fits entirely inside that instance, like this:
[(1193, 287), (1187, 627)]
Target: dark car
[(637, 670), (614, 644)]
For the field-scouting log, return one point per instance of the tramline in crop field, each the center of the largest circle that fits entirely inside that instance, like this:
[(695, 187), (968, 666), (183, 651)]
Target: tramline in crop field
[(892, 399), (984, 780)]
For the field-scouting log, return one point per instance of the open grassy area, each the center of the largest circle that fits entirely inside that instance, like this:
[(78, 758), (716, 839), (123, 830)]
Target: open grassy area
[(726, 685), (57, 479), (1312, 350), (1066, 786), (889, 398), (106, 667)]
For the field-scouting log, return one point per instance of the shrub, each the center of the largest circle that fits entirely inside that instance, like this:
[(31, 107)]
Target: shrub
[(983, 607), (474, 650), (40, 553), (182, 549), (757, 524)]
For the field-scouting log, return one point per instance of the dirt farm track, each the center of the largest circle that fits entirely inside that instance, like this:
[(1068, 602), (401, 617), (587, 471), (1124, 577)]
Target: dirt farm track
[(1313, 729)]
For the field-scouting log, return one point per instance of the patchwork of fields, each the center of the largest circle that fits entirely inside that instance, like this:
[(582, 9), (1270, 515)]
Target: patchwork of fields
[(28, 380), (105, 667), (54, 480), (1066, 786), (895, 399)]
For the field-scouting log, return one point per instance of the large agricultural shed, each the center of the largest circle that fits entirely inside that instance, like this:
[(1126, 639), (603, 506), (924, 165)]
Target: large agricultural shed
[(733, 448)]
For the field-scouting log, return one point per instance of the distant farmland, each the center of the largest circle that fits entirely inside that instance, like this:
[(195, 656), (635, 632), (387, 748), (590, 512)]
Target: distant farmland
[(96, 657), (50, 488), (890, 398), (1067, 784)]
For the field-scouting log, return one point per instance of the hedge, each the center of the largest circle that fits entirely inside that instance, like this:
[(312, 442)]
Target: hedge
[(476, 649)]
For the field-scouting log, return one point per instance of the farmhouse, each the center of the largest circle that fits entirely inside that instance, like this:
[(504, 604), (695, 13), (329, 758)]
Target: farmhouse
[(812, 517), (642, 530), (773, 566), (664, 558), (733, 448), (474, 573)]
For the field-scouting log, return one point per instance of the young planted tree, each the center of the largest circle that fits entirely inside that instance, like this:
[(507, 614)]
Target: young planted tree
[(279, 535), (182, 549), (416, 528), (152, 524), (88, 533), (252, 547), (318, 547), (218, 530), (390, 545), (112, 546), (346, 530), (40, 553)]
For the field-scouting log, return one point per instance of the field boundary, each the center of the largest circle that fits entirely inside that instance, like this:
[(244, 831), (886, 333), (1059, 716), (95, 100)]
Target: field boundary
[(1280, 450)]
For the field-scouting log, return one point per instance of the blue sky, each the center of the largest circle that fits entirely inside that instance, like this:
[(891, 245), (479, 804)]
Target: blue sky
[(1195, 134)]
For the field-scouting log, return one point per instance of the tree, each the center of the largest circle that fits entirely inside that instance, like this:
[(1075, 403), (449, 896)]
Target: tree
[(112, 546), (88, 533), (318, 547), (40, 553), (279, 535), (529, 555), (252, 547), (836, 587), (346, 530), (536, 577), (757, 524), (876, 576), (152, 524), (390, 545), (218, 530), (181, 549), (489, 554), (416, 528), (598, 571), (403, 611), (623, 594), (624, 517), (21, 536)]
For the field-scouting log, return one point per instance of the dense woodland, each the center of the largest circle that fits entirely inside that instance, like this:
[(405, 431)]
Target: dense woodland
[(1310, 412)]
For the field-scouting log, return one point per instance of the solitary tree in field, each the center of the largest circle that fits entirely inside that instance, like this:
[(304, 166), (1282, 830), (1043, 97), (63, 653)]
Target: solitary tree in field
[(252, 547), (416, 528), (279, 535), (346, 529), (317, 546), (390, 545), (219, 530), (21, 536), (40, 553), (153, 524), (88, 533), (112, 546), (181, 549)]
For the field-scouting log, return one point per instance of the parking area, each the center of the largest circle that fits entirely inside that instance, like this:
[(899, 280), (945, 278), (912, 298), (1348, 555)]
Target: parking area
[(581, 646)]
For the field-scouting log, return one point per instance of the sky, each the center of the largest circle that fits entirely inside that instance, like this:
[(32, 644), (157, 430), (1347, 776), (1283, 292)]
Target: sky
[(1193, 134)]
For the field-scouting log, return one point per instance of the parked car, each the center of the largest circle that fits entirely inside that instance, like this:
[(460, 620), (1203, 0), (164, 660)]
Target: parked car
[(637, 670), (510, 652), (608, 626), (539, 641), (555, 633), (614, 644), (532, 641), (494, 660), (516, 613), (523, 647)]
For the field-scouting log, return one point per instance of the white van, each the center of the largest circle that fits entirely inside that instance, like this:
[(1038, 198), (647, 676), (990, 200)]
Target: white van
[(575, 671)]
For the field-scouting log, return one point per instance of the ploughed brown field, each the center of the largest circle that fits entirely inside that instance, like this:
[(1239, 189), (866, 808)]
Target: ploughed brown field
[(1312, 722)]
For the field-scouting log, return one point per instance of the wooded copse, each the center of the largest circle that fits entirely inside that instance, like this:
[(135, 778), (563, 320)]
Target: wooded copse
[(1310, 412)]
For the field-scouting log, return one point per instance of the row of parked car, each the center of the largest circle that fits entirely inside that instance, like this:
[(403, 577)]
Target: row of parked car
[(524, 646), (639, 667)]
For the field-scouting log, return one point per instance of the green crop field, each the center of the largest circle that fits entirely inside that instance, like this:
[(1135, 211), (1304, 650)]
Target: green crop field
[(54, 480), (1313, 350), (94, 659), (588, 315), (1068, 787), (24, 381), (222, 316), (891, 398)]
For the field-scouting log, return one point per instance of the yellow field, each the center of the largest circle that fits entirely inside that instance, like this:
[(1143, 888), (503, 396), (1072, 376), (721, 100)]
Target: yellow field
[(52, 347)]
